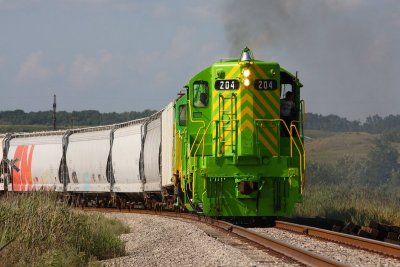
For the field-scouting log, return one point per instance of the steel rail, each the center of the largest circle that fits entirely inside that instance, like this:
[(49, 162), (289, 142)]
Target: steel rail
[(296, 253), (293, 252), (354, 241)]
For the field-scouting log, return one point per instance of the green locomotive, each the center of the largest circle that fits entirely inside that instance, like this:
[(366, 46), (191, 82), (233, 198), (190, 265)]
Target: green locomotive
[(236, 155)]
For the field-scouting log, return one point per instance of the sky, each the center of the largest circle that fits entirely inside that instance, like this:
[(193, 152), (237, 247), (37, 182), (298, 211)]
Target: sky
[(128, 55)]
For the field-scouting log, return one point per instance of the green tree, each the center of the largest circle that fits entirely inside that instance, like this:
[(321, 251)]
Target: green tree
[(382, 162)]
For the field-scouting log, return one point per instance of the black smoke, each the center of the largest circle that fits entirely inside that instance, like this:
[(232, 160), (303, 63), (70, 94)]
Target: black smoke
[(347, 51)]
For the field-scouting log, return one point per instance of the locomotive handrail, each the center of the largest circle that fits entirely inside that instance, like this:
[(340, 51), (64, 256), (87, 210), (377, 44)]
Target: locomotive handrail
[(194, 142), (302, 159), (287, 128), (298, 150), (179, 155), (303, 112), (198, 121), (293, 125), (198, 146), (190, 114), (202, 139)]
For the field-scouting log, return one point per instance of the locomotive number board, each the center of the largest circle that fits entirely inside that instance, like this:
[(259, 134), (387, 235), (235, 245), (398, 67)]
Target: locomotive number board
[(227, 84), (265, 84)]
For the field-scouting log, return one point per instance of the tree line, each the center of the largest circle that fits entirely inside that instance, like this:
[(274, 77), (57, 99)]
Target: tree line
[(334, 123), (66, 119), (18, 120)]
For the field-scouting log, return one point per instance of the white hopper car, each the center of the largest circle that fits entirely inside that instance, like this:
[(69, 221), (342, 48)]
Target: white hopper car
[(131, 160)]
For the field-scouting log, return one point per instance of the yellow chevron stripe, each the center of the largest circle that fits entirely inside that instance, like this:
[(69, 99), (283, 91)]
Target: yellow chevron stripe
[(260, 72), (216, 106), (266, 105), (274, 93), (233, 71), (247, 97), (245, 111), (271, 136), (247, 124), (259, 110), (267, 145), (216, 97)]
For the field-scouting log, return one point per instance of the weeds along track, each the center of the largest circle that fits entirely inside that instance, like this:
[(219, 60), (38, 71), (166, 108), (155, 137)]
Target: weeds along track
[(354, 241), (248, 236)]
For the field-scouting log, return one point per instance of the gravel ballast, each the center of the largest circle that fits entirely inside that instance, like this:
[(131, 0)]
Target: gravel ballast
[(159, 241), (344, 254)]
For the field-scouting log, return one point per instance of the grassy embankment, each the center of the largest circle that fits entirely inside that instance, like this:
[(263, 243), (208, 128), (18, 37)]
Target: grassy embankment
[(347, 200), (36, 230), (359, 205)]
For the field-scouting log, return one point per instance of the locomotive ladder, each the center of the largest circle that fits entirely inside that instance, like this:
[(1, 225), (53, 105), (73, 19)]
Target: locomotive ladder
[(227, 125)]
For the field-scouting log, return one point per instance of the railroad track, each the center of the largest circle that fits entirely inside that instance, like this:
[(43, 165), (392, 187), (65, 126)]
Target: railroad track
[(354, 241), (251, 237)]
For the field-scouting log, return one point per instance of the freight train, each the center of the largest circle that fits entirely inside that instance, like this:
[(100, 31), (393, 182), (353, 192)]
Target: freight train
[(222, 148)]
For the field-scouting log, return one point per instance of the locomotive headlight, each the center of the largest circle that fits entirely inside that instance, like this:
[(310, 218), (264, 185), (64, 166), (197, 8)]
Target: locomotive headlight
[(246, 73), (246, 82)]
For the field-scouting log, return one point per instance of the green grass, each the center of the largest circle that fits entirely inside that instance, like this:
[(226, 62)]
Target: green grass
[(44, 232), (352, 203)]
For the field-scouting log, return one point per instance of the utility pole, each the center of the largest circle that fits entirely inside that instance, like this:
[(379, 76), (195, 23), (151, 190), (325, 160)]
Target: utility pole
[(54, 113)]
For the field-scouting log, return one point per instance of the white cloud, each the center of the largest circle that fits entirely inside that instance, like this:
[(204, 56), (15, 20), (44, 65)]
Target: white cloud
[(32, 69), (86, 71)]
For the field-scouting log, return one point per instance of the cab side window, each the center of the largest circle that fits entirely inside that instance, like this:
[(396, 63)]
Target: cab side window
[(287, 108), (286, 87), (200, 94), (182, 115)]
